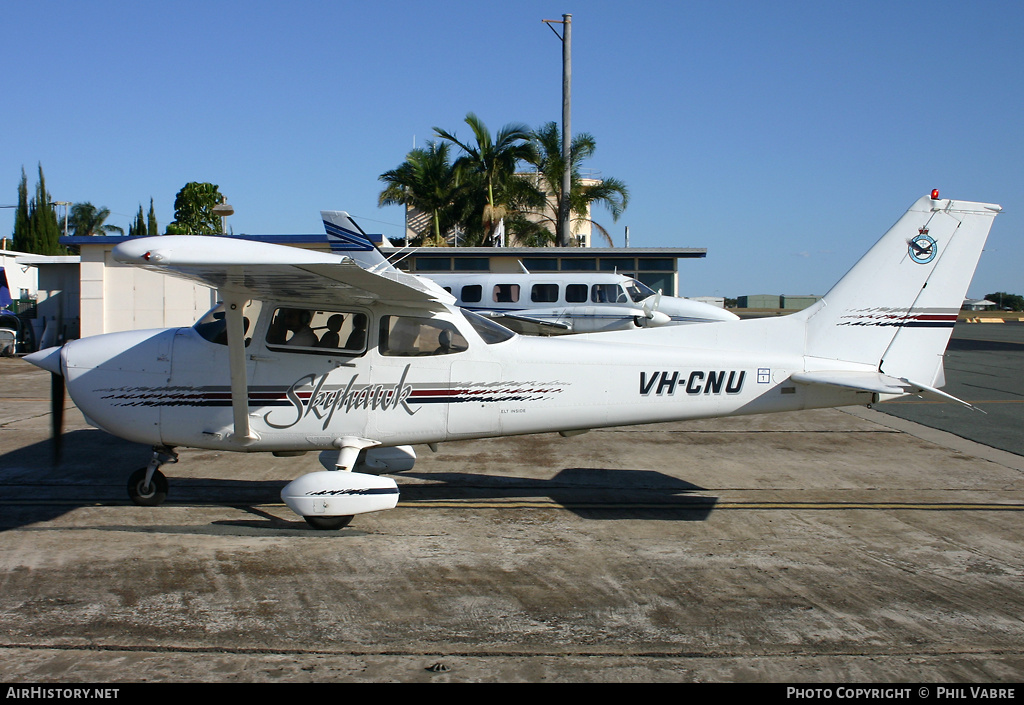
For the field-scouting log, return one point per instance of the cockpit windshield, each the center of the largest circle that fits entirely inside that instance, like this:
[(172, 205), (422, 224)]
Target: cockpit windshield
[(638, 291), (213, 326), (487, 329)]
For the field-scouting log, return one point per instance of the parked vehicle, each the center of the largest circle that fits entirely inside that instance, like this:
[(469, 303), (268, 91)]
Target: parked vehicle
[(10, 331)]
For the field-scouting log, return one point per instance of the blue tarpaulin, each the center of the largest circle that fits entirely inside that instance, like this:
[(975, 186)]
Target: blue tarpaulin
[(5, 291)]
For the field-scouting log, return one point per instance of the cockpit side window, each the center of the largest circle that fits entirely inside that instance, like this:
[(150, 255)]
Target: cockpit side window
[(314, 331), (213, 325), (607, 294)]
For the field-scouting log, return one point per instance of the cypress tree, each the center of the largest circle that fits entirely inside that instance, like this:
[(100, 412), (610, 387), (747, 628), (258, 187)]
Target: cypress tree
[(139, 227), (23, 235), (152, 228), (43, 219)]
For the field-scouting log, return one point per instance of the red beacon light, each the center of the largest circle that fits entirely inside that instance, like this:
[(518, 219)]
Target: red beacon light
[(935, 194)]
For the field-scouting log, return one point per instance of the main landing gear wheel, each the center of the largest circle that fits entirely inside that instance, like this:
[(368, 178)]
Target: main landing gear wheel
[(151, 496), (328, 523)]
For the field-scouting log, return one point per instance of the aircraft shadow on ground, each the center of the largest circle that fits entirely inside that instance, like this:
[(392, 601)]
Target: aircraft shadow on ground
[(94, 469), (593, 493)]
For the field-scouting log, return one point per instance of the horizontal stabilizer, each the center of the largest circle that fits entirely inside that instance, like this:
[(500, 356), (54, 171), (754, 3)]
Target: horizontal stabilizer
[(876, 383)]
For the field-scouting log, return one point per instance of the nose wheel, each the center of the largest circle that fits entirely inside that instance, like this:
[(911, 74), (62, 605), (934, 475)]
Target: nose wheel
[(147, 494), (147, 487)]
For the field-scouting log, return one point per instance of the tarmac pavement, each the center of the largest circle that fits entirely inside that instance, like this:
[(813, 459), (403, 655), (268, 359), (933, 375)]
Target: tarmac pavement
[(984, 365), (820, 546)]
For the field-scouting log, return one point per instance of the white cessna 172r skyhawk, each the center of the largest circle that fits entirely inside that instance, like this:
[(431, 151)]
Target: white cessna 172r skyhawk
[(347, 355)]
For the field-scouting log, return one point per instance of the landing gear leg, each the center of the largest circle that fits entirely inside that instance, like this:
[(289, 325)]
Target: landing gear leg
[(147, 487)]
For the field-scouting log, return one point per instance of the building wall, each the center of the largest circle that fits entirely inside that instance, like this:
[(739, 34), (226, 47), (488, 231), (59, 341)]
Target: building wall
[(46, 289), (19, 276), (118, 297), (58, 317)]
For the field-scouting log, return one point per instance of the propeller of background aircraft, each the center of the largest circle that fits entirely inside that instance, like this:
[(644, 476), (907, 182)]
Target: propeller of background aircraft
[(651, 314)]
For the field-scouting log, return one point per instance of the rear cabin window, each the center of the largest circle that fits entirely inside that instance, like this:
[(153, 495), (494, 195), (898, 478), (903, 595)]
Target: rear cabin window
[(544, 293), (310, 330), (576, 293), (472, 293), (506, 293), (408, 336)]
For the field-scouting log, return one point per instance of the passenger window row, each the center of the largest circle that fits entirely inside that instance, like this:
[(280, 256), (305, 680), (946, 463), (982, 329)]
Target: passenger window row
[(344, 333), (546, 293)]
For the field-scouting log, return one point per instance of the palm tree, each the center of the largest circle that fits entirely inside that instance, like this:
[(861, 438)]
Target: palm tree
[(491, 162), (428, 182), (547, 157), (87, 219)]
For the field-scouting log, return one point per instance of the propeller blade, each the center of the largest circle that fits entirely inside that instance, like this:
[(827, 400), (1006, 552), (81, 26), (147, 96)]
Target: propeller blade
[(651, 304), (56, 414)]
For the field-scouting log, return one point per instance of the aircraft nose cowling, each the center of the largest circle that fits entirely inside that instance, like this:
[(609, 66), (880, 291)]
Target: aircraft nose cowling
[(119, 381), (48, 359)]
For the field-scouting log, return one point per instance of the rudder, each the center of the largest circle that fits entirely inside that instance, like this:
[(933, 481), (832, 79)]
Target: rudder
[(895, 310)]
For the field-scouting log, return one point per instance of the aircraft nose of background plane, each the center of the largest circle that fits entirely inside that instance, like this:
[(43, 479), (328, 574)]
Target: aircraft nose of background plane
[(722, 315), (48, 359)]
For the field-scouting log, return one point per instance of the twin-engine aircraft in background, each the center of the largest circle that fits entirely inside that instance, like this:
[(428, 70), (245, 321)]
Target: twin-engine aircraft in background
[(349, 356), (565, 302), (552, 303)]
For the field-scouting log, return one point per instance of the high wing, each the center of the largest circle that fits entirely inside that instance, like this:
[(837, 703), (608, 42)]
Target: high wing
[(256, 270)]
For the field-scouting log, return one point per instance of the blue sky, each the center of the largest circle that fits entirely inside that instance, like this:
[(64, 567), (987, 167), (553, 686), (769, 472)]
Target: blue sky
[(785, 137)]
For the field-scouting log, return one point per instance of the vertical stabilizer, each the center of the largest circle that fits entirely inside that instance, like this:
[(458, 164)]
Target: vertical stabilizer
[(346, 237), (896, 308)]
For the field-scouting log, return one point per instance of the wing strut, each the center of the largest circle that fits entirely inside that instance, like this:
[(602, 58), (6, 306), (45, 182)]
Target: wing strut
[(233, 307)]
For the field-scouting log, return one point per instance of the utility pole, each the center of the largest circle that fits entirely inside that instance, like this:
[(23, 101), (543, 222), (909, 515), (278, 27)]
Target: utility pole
[(563, 207), (66, 204)]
